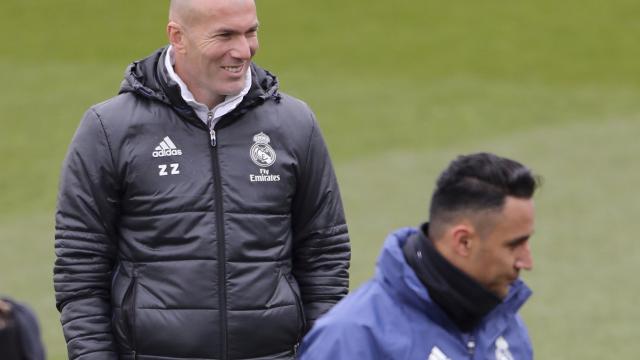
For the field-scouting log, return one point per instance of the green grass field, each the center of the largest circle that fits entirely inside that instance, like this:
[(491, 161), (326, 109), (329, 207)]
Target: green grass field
[(400, 88)]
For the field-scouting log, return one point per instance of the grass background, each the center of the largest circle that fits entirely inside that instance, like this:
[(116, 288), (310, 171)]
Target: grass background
[(400, 88)]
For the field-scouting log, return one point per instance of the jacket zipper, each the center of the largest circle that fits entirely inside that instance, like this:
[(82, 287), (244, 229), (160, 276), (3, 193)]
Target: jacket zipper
[(222, 287)]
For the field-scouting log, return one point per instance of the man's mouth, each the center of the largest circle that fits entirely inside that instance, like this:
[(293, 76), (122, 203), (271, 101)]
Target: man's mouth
[(234, 69)]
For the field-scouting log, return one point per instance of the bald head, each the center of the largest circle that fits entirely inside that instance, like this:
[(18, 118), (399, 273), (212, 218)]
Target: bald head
[(188, 12), (182, 11)]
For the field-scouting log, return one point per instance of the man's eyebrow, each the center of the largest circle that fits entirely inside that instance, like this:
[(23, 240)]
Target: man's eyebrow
[(519, 240), (225, 30)]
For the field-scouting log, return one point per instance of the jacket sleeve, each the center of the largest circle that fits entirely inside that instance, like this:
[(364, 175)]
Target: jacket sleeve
[(321, 250), (84, 242)]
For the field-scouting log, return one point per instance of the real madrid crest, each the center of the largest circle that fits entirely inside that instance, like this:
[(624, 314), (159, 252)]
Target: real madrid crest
[(261, 152)]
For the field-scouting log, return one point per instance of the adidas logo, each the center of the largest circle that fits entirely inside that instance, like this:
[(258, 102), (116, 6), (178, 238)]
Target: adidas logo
[(437, 354), (166, 148)]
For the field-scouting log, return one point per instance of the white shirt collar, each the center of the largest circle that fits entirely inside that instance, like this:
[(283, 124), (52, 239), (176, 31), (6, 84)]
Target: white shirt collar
[(230, 102)]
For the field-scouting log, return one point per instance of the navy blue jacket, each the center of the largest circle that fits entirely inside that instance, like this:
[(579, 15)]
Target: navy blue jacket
[(393, 317)]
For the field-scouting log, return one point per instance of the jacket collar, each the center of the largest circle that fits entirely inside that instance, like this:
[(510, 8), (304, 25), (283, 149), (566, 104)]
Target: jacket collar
[(461, 297), (148, 78)]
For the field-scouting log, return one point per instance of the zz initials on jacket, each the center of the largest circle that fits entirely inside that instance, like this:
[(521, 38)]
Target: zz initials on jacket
[(173, 169)]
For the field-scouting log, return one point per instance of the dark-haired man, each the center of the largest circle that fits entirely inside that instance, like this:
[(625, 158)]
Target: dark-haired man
[(19, 332), (449, 289), (199, 215)]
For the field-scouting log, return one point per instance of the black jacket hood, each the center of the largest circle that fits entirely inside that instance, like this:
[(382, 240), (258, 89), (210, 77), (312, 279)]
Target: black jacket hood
[(148, 78)]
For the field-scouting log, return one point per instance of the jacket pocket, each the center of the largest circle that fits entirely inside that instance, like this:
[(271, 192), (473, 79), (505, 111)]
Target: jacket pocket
[(129, 312), (302, 321)]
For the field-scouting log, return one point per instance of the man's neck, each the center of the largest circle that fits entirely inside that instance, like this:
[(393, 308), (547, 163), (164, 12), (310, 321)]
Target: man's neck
[(199, 94), (204, 104), (464, 300)]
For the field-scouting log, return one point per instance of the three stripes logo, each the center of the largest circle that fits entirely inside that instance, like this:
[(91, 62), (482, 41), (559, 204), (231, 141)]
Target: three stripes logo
[(437, 354), (166, 148)]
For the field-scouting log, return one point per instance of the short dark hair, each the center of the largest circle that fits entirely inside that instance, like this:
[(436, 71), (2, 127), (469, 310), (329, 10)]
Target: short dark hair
[(478, 182)]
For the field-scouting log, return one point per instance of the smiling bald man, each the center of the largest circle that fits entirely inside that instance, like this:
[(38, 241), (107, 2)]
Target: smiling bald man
[(199, 216)]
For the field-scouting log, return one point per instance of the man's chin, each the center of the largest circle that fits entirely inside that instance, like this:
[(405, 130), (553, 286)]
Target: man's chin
[(502, 292), (231, 89)]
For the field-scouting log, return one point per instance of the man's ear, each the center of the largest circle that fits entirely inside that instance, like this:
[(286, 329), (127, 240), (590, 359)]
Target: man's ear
[(463, 236), (175, 33)]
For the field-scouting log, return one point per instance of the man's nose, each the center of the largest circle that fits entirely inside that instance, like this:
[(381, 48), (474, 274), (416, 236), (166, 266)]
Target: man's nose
[(242, 48), (524, 259)]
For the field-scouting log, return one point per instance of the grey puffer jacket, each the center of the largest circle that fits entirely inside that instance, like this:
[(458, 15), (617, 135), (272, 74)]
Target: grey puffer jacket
[(172, 246)]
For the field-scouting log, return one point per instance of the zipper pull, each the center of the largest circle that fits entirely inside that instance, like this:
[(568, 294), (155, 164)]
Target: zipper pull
[(471, 345), (212, 132)]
